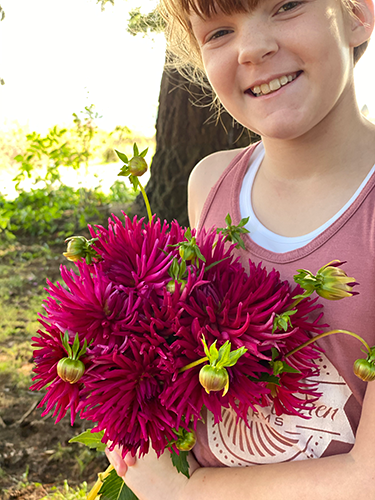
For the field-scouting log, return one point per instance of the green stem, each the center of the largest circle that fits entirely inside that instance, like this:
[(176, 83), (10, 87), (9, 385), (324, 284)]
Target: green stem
[(195, 363), (325, 334), (295, 303), (149, 213)]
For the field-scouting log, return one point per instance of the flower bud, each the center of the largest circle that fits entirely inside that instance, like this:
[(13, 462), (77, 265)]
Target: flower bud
[(214, 379), (77, 248), (137, 166), (171, 285), (70, 370), (334, 283), (186, 440), (186, 252), (364, 369)]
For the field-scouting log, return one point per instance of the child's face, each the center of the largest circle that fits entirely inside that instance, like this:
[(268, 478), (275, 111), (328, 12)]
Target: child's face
[(305, 43)]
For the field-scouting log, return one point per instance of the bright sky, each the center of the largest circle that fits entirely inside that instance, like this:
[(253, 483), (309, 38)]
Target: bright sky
[(55, 51), (60, 55)]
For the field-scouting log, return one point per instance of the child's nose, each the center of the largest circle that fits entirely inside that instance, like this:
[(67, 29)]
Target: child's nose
[(256, 46)]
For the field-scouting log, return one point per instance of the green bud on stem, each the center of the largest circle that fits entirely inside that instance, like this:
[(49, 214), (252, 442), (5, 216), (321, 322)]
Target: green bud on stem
[(137, 166), (330, 282), (364, 369), (214, 379), (70, 370), (79, 248), (186, 440)]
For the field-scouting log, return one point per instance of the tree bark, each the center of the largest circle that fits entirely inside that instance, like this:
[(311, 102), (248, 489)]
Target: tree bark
[(185, 133)]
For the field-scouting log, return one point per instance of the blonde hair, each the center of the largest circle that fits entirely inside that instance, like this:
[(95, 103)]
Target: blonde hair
[(183, 49)]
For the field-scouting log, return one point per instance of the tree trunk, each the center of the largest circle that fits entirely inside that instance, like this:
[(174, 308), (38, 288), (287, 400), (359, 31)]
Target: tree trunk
[(185, 133)]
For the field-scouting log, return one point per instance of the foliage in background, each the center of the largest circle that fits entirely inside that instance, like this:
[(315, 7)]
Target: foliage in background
[(58, 148), (51, 209), (145, 23), (86, 128), (50, 152), (57, 213)]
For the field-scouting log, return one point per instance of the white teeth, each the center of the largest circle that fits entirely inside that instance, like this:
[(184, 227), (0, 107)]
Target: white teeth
[(284, 80), (275, 84), (267, 88)]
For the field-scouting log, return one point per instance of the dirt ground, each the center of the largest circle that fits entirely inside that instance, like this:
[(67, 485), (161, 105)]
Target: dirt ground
[(35, 455)]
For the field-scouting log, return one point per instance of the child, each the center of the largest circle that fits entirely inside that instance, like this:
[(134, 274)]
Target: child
[(285, 71)]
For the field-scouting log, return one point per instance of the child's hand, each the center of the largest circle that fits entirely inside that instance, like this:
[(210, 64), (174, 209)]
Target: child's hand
[(149, 477), (120, 464)]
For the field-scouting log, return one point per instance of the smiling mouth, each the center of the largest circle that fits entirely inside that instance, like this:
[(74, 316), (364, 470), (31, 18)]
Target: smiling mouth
[(273, 85)]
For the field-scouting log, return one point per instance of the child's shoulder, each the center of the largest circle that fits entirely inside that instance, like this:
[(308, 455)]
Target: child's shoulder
[(203, 177)]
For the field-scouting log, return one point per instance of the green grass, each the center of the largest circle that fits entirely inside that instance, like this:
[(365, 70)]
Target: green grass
[(66, 492)]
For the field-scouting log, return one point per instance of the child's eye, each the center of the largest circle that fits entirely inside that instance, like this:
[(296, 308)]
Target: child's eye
[(288, 6), (219, 34)]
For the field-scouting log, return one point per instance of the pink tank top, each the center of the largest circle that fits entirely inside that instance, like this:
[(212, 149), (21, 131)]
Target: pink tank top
[(334, 419)]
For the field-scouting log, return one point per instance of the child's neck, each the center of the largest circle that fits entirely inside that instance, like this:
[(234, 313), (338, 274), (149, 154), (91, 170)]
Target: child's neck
[(322, 169), (332, 146)]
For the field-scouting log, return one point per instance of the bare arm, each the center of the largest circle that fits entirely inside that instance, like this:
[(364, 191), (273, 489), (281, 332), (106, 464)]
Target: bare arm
[(342, 477), (203, 177)]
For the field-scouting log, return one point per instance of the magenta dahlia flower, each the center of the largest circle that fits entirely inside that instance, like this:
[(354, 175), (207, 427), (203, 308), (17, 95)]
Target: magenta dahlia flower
[(122, 394), (91, 306), (136, 255), (229, 305), (60, 396)]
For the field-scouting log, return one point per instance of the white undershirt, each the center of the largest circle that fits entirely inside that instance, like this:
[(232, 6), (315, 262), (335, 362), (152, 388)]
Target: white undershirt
[(263, 236)]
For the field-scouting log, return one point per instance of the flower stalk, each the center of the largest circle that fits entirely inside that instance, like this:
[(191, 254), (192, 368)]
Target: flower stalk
[(194, 363), (93, 495), (133, 169), (363, 368), (147, 203), (326, 334)]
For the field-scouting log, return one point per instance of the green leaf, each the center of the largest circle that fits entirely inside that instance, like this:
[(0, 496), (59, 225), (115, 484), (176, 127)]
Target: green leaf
[(205, 347), (188, 234), (122, 156), (199, 254), (228, 220), (266, 377), (216, 263), (75, 346), (135, 150), (84, 348), (180, 462), (90, 439), (275, 353), (144, 153), (65, 343), (289, 369), (134, 180), (239, 241), (243, 222), (235, 356), (224, 354), (114, 488), (124, 172), (214, 353)]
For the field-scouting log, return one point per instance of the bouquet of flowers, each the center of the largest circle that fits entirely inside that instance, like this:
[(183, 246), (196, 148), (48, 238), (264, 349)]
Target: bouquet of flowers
[(158, 321)]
